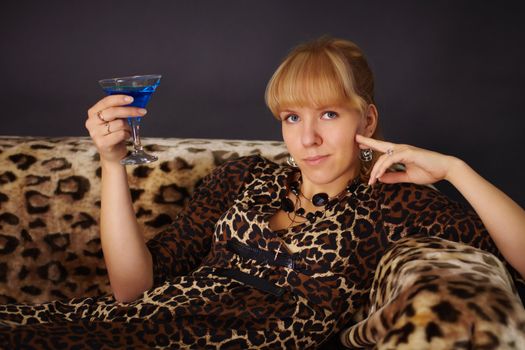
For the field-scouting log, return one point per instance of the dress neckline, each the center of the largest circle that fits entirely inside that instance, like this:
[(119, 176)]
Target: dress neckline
[(282, 179)]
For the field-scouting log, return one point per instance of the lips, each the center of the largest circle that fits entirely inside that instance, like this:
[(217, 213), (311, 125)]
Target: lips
[(314, 160)]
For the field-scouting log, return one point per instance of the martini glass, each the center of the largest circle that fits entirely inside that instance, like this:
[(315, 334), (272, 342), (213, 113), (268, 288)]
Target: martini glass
[(140, 87)]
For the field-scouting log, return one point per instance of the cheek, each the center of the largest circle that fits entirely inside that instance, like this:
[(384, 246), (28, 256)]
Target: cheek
[(361, 128), (288, 139), (343, 140)]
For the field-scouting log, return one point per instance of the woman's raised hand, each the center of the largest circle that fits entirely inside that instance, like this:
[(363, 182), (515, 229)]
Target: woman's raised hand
[(108, 127), (421, 166)]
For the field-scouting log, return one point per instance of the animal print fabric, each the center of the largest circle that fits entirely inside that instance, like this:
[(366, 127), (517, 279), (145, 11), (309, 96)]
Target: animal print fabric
[(434, 294), (193, 303), (50, 206)]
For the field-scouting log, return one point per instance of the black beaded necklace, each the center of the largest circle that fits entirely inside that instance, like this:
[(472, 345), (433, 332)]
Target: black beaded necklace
[(318, 200)]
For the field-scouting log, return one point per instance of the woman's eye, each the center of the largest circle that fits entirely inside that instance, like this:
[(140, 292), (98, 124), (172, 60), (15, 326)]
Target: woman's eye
[(329, 115), (292, 118)]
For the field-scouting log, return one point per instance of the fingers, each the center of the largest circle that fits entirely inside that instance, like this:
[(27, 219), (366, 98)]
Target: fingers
[(113, 113), (115, 116), (114, 138), (109, 109), (108, 127), (108, 102), (394, 177), (386, 160), (421, 166), (377, 145), (97, 130), (108, 136), (117, 125), (399, 154), (377, 170), (114, 106)]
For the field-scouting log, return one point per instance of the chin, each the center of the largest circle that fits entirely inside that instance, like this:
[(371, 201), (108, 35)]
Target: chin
[(319, 177), (326, 175)]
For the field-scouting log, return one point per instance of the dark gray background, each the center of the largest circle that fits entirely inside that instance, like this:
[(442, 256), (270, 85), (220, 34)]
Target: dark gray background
[(449, 74)]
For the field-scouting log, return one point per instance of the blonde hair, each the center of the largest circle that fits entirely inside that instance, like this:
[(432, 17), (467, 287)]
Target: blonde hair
[(324, 72)]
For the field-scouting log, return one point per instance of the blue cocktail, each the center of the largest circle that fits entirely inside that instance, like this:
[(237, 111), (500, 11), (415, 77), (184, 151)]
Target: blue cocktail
[(140, 87)]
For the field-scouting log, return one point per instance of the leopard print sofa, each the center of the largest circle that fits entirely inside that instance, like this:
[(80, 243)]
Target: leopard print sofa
[(50, 247), (50, 202)]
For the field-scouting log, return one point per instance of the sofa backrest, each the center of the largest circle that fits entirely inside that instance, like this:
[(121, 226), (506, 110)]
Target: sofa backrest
[(50, 201)]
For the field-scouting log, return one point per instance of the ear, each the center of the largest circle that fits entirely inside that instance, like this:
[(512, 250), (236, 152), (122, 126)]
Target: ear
[(370, 121)]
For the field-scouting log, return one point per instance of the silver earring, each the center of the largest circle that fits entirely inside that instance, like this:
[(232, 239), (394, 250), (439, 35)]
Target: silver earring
[(366, 155), (291, 162)]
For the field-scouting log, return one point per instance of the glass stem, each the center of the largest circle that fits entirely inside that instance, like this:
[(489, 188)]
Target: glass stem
[(135, 126)]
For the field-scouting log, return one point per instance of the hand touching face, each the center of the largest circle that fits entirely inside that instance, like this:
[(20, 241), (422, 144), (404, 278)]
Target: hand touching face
[(421, 166)]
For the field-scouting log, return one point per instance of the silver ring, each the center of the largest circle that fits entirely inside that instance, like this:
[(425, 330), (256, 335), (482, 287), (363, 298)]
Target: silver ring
[(107, 126), (99, 115), (389, 152)]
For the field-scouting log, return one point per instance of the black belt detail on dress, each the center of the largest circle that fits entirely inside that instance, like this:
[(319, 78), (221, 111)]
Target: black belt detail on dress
[(261, 256), (254, 281)]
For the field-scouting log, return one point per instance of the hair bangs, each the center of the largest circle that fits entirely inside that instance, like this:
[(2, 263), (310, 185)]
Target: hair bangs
[(310, 80)]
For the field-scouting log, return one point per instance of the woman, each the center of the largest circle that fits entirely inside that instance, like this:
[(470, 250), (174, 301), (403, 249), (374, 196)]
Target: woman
[(270, 256)]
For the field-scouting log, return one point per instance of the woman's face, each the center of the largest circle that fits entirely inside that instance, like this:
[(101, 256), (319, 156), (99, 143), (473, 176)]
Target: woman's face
[(322, 142)]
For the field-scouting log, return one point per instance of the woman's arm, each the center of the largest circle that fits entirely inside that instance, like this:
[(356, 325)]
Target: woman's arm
[(127, 258), (133, 265), (502, 217)]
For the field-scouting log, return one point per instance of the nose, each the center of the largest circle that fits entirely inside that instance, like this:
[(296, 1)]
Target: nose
[(310, 134)]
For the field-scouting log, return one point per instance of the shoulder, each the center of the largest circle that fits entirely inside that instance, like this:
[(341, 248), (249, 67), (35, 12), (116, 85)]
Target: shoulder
[(242, 170), (250, 164)]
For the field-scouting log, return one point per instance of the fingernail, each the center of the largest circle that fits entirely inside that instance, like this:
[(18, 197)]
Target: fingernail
[(128, 99), (142, 111)]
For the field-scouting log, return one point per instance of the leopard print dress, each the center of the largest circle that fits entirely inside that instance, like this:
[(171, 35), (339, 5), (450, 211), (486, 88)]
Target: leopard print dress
[(224, 280)]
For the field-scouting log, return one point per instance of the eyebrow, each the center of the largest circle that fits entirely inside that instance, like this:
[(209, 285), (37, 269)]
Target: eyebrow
[(322, 108)]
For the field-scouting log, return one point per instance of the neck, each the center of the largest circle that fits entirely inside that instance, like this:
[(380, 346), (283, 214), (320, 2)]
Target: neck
[(309, 188)]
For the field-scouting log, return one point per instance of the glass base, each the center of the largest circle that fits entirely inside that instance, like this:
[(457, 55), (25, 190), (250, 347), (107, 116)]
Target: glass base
[(138, 157)]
